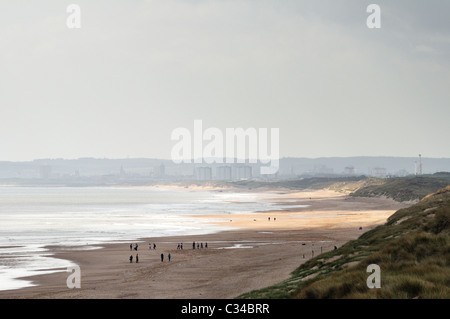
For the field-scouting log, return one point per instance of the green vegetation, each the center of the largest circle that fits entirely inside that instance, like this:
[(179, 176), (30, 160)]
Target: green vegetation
[(294, 184), (411, 188), (404, 188), (412, 249)]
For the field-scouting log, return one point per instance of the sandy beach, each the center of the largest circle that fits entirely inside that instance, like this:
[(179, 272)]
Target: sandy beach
[(258, 253)]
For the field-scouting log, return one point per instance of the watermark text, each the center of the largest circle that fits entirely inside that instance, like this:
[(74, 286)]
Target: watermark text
[(236, 145)]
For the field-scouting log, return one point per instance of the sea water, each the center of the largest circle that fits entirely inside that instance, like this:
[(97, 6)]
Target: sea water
[(32, 218)]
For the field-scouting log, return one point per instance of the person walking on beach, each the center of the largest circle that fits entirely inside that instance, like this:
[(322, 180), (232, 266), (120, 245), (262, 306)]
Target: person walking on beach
[(131, 259), (162, 257), (206, 245), (131, 247), (193, 245), (169, 256), (154, 246), (137, 258)]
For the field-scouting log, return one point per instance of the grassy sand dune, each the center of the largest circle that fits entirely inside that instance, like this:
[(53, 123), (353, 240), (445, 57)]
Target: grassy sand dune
[(411, 188), (412, 249)]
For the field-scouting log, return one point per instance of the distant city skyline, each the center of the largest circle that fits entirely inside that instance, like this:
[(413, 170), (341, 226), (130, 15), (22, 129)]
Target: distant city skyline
[(136, 70), (87, 170)]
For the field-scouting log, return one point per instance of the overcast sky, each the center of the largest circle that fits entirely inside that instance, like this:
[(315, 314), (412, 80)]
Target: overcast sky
[(136, 70)]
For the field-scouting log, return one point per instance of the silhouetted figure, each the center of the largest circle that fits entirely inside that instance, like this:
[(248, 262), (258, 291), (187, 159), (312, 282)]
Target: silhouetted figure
[(162, 257)]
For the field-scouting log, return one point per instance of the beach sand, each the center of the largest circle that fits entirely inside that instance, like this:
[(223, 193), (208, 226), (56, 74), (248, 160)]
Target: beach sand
[(258, 253)]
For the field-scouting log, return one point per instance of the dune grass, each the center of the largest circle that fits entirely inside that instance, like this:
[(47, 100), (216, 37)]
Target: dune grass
[(402, 189), (412, 249)]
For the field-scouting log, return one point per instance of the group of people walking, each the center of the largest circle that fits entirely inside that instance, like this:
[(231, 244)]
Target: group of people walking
[(199, 245), (131, 258), (169, 256), (135, 247)]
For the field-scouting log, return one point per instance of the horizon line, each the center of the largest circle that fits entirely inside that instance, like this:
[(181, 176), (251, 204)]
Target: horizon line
[(223, 158)]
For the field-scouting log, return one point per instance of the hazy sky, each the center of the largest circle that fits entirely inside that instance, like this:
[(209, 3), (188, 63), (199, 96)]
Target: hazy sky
[(136, 70)]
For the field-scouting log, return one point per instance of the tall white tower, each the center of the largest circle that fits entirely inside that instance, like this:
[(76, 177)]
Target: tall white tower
[(419, 166)]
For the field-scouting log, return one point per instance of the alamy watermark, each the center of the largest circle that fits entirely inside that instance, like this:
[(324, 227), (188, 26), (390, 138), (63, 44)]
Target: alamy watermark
[(374, 19), (374, 279), (235, 146), (73, 21), (74, 279)]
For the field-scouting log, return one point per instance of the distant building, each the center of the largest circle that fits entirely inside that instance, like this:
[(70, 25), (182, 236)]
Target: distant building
[(243, 172), (322, 169), (349, 170), (378, 172), (45, 171), (203, 173), (418, 166), (223, 173), (402, 173), (159, 171)]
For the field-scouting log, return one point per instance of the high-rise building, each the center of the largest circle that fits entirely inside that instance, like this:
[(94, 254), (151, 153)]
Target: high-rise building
[(203, 173), (243, 172), (223, 173)]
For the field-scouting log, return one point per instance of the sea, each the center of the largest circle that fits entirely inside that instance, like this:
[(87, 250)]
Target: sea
[(34, 218)]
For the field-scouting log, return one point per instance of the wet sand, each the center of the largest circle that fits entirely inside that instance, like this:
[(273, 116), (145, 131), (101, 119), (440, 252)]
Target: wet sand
[(258, 253)]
